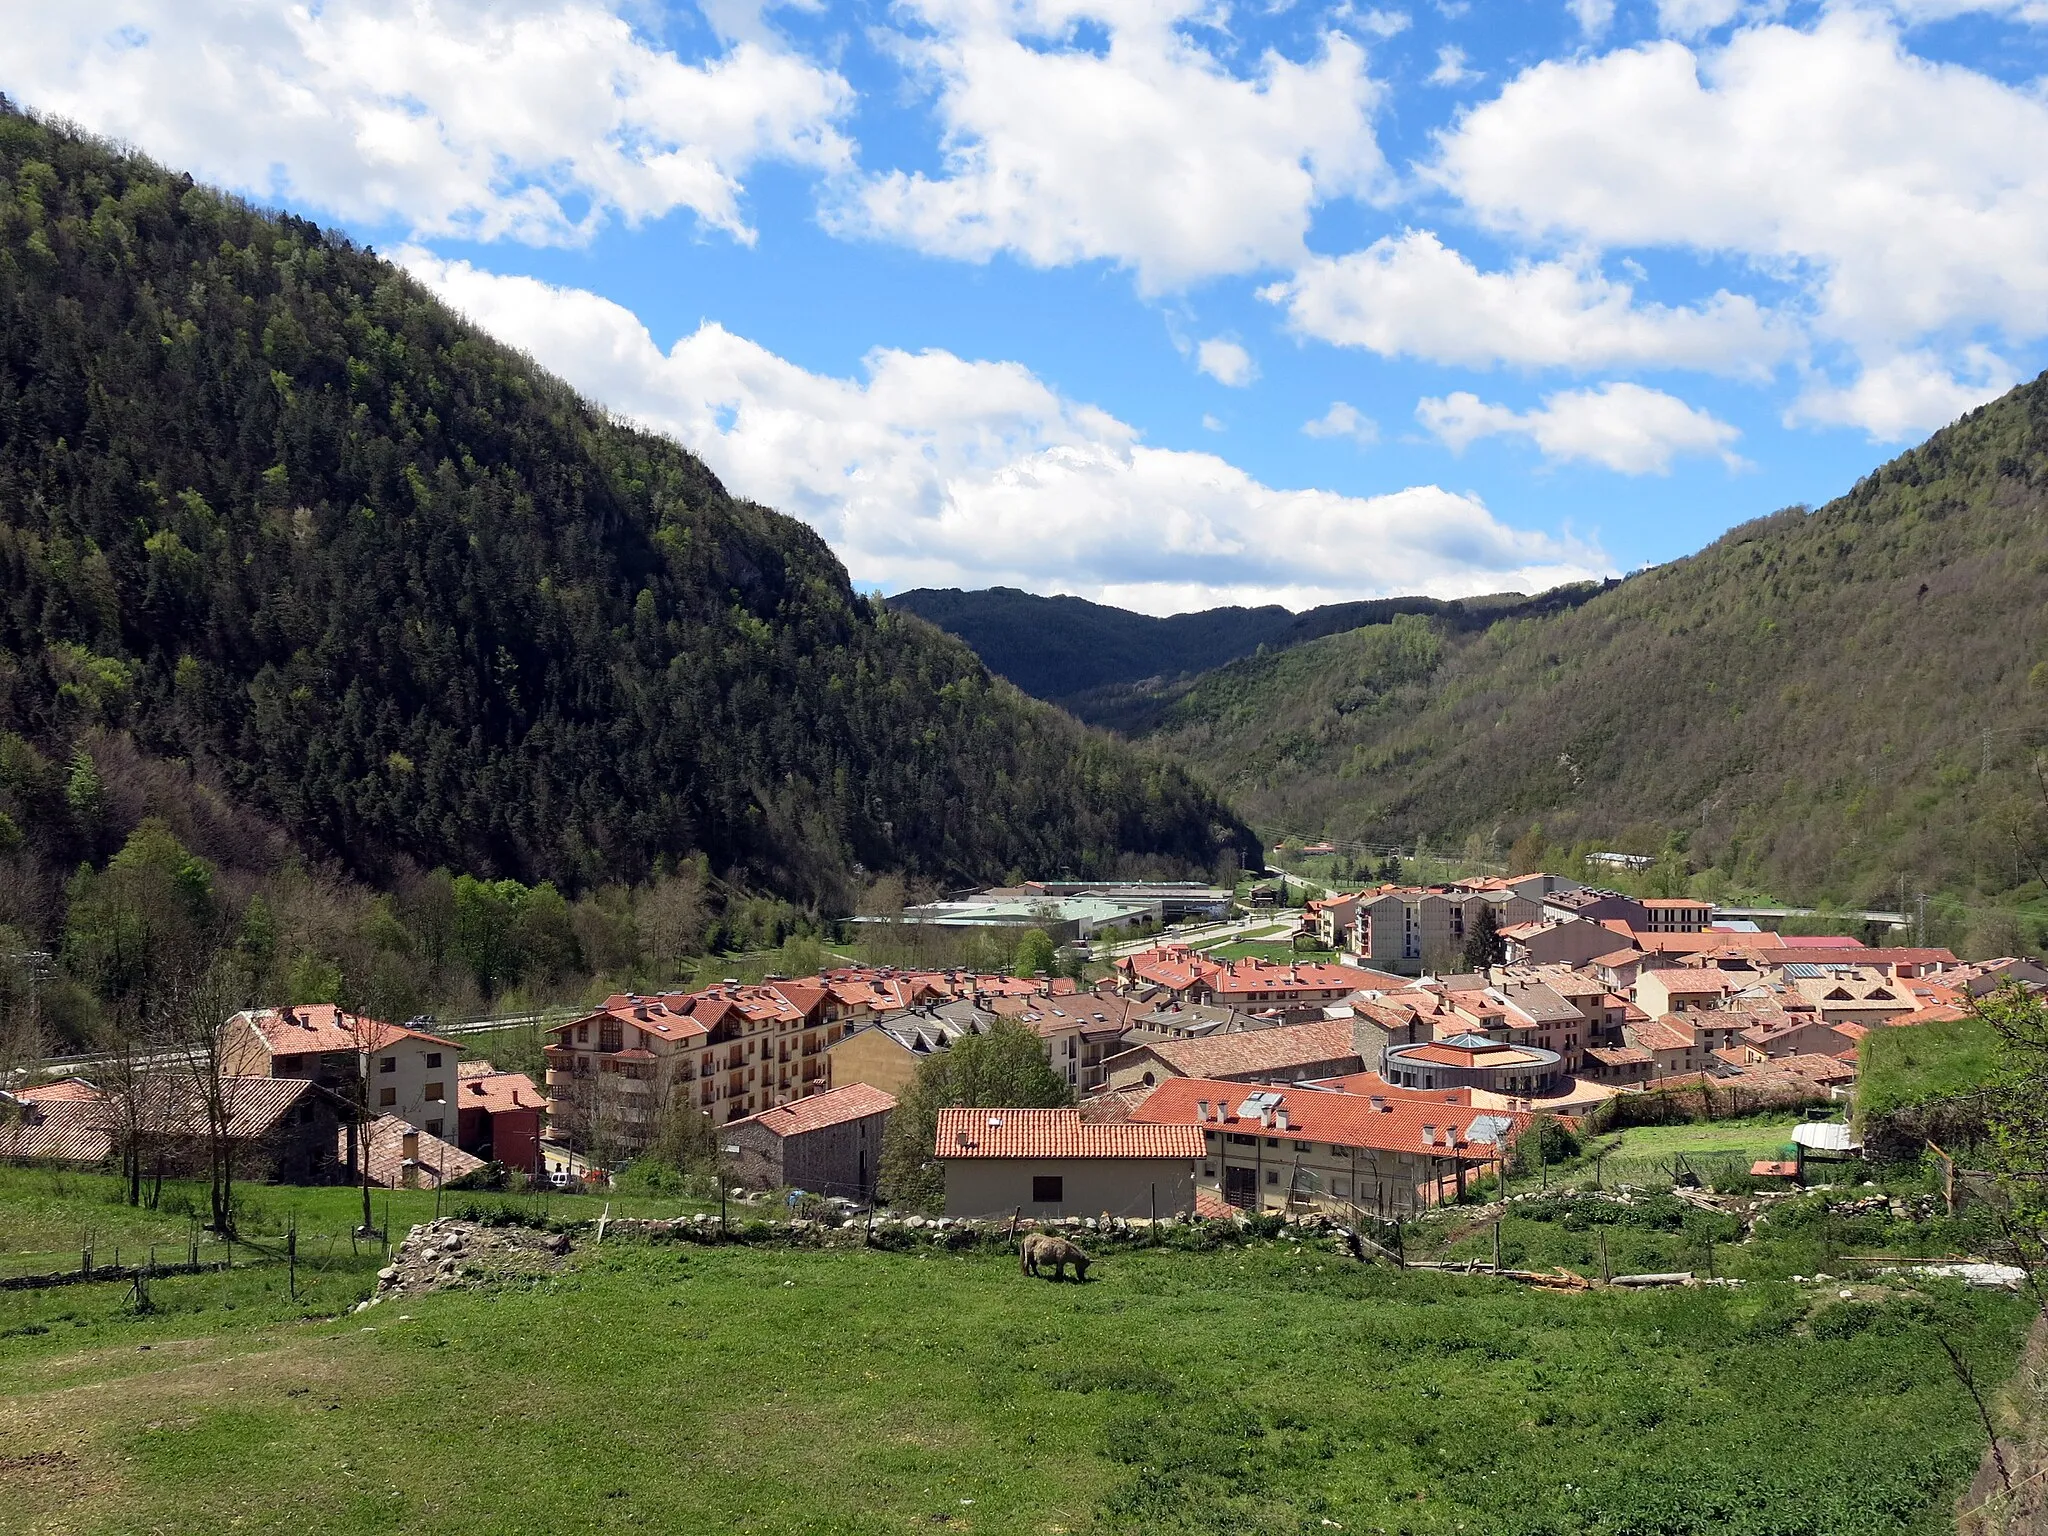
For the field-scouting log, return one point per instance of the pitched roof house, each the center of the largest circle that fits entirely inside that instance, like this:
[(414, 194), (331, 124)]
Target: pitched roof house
[(1052, 1162)]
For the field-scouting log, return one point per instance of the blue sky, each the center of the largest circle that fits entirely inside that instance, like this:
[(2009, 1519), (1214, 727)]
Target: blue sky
[(1171, 302)]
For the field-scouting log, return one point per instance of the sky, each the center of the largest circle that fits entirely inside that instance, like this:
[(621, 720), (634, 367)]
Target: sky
[(1170, 303)]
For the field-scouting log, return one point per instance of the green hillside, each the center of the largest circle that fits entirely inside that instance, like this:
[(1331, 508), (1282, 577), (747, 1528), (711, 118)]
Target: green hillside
[(1802, 706), (295, 558), (1120, 669)]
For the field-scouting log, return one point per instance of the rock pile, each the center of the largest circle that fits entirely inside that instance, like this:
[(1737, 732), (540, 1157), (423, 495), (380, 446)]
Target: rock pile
[(447, 1254)]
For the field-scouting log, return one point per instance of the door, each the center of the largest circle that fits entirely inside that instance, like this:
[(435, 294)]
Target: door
[(1241, 1187)]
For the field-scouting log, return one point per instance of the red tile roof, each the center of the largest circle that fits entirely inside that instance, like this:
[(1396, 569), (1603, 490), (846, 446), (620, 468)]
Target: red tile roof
[(1059, 1133), (855, 1101), (438, 1161), (322, 1027), (499, 1092), (1257, 1050), (1341, 1119), (69, 1090)]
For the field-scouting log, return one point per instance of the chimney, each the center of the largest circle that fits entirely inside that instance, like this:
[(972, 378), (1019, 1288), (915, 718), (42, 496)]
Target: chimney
[(1201, 1109), (1429, 1135), (1280, 1118), (1379, 1105), (409, 1146)]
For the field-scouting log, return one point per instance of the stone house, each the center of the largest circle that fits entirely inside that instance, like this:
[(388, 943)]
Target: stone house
[(826, 1143)]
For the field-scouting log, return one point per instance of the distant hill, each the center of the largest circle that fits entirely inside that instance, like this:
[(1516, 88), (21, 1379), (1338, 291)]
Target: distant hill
[(1824, 703), (303, 562), (1114, 667)]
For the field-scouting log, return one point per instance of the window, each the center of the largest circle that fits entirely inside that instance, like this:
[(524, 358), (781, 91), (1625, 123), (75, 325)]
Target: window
[(1341, 1188), (387, 1064), (1304, 1146), (433, 1127), (386, 1097), (1208, 1170), (1272, 1175), (436, 1093), (1047, 1189), (1273, 1141), (433, 1058), (583, 1033)]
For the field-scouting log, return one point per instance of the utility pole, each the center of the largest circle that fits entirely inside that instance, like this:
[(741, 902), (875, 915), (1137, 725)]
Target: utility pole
[(1922, 929)]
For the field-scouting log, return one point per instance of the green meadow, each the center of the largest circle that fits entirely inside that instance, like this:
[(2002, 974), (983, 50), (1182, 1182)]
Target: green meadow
[(1266, 1387)]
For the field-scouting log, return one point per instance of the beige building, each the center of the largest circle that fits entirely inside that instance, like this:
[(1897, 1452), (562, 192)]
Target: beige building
[(1659, 993), (1406, 929), (1050, 1162), (410, 1074)]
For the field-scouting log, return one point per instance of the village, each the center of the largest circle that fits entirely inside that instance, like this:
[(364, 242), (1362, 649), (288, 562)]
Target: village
[(1380, 1084)]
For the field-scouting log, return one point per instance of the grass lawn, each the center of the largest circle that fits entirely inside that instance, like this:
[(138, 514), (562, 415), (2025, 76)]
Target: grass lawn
[(1267, 1389), (47, 1215), (1896, 1067), (1759, 1137), (1278, 954)]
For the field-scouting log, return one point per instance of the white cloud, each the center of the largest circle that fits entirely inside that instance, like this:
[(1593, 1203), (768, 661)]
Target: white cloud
[(1343, 420), (1909, 197), (1450, 67), (1226, 362), (535, 120), (1915, 12), (1905, 396), (1593, 16), (1695, 18), (933, 469), (1213, 423), (1409, 295), (1624, 427), (1150, 153), (1382, 24)]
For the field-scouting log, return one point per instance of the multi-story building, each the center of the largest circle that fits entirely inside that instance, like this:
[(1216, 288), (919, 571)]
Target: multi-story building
[(737, 1049), (406, 1072), (1406, 929)]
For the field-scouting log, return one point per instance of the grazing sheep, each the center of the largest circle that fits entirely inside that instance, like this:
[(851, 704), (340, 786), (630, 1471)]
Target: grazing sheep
[(1043, 1248)]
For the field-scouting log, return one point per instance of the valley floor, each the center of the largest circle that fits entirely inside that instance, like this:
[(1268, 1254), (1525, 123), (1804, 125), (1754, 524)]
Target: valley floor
[(1267, 1388)]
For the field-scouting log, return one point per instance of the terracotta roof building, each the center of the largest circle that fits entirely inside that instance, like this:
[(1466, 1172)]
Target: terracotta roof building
[(1278, 1147), (1052, 1162), (825, 1143), (1289, 1053)]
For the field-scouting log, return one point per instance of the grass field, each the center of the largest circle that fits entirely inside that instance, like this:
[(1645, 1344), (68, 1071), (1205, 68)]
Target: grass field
[(1278, 954), (1263, 1390), (1897, 1067), (47, 1217)]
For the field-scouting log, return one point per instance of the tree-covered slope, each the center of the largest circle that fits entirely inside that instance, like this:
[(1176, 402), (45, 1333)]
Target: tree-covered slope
[(268, 508), (1115, 667), (1803, 703)]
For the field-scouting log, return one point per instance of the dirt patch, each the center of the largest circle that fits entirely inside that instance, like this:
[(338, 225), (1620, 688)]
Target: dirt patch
[(451, 1255)]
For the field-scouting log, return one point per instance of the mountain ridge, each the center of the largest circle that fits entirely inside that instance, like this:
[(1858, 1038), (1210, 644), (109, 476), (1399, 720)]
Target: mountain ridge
[(1113, 667), (332, 560)]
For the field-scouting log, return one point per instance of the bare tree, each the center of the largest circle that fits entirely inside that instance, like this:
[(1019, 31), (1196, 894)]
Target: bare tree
[(196, 1009), (137, 1048)]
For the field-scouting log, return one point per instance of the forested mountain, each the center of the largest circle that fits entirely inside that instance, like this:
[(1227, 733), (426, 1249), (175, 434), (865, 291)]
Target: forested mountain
[(1824, 704), (298, 561), (1117, 668)]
